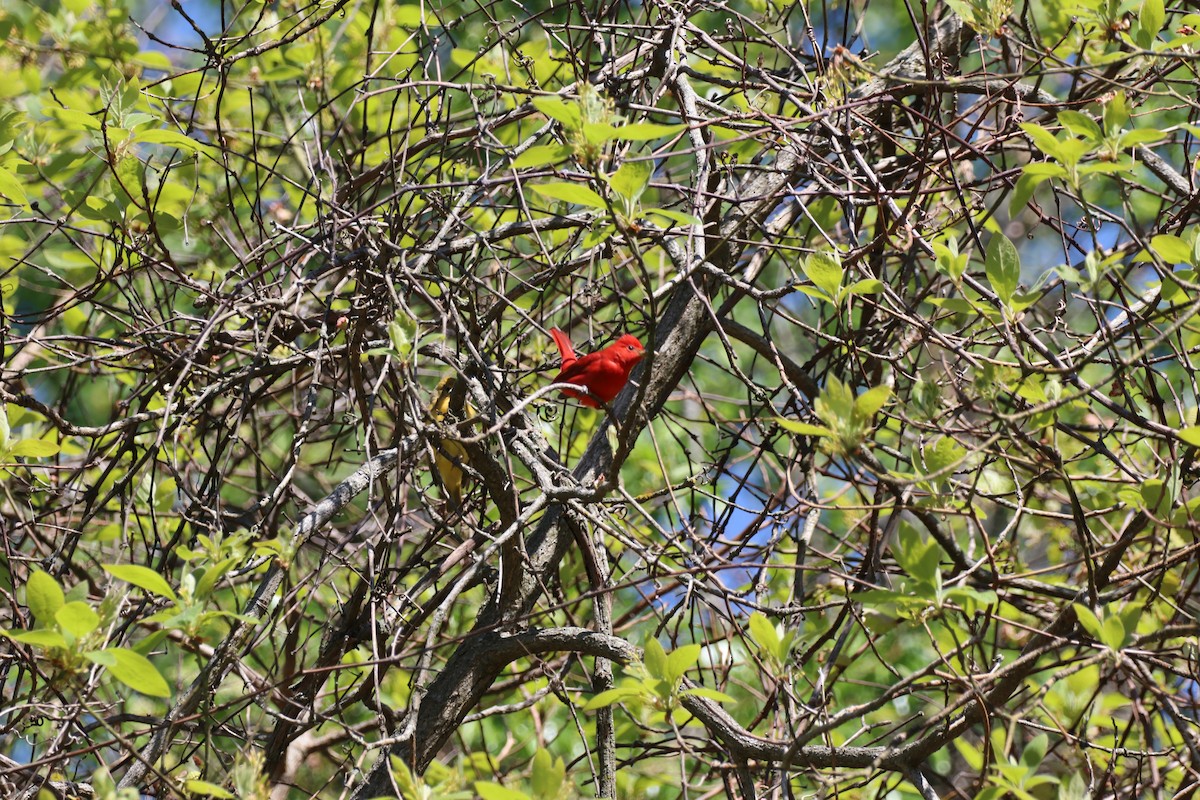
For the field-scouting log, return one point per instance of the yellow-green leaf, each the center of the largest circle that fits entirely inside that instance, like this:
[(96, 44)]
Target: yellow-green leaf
[(132, 669), (11, 188), (141, 577), (803, 428), (44, 597), (571, 193), (542, 155), (206, 789), (1190, 435)]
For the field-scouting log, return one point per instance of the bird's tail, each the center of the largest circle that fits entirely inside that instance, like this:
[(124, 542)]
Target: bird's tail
[(564, 347)]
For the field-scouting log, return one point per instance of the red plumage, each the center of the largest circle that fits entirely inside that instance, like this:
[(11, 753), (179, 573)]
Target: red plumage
[(603, 373)]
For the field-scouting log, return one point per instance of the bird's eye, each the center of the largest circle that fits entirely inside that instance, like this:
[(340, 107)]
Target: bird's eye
[(629, 347)]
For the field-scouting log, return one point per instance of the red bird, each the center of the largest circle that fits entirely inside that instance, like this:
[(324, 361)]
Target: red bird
[(603, 373)]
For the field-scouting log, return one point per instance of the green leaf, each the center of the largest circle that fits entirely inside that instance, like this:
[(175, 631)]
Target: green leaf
[(560, 110), (411, 786), (165, 492), (971, 600), (610, 696), (34, 448), (547, 776), (1002, 266), (1045, 169), (1026, 184), (1116, 113), (803, 428), (872, 400), (132, 669), (1071, 150), (571, 193), (763, 633), (711, 694), (44, 597), (631, 180), (206, 789), (919, 557), (1106, 167), (944, 453), (825, 271), (77, 618), (972, 755), (865, 286), (141, 577), (813, 291), (1080, 124), (1043, 140), (1190, 435), (208, 581), (1130, 616), (542, 155), (494, 791), (836, 403), (1088, 620), (965, 10), (1156, 496), (101, 208), (45, 638), (409, 16), (169, 138), (75, 120), (402, 333), (1171, 249), (674, 216), (645, 131), (1150, 22), (596, 236), (11, 188), (910, 548), (599, 132), (1140, 136), (1035, 751), (655, 659), (1113, 633), (1187, 513), (680, 661)]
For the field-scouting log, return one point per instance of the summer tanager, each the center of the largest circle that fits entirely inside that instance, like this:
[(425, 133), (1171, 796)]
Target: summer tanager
[(448, 455), (603, 373)]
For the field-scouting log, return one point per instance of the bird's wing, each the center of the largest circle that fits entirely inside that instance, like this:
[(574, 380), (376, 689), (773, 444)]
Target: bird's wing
[(592, 366)]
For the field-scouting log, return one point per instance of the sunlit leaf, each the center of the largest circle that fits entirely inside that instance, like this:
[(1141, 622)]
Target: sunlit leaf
[(803, 428), (206, 789), (1171, 249), (631, 180), (45, 638), (571, 193), (35, 448), (132, 669), (1003, 266), (11, 188), (44, 597), (77, 619), (542, 155), (644, 131), (142, 577), (560, 110)]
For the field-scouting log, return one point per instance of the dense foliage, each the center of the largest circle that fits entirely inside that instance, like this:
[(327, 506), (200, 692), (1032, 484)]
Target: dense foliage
[(900, 500)]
